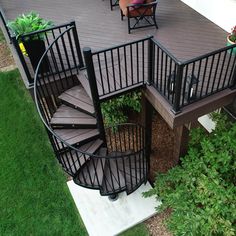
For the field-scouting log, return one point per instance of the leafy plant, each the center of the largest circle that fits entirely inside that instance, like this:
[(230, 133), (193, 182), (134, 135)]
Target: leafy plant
[(114, 110), (201, 192), (232, 36), (27, 23)]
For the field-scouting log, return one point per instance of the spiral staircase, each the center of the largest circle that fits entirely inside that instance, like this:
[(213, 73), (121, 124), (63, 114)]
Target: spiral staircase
[(110, 160)]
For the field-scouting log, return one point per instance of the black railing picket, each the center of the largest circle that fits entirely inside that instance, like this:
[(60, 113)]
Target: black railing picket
[(150, 61), (100, 71), (94, 90), (177, 89), (232, 72), (131, 64), (77, 45), (126, 74), (215, 74), (119, 67), (137, 62)]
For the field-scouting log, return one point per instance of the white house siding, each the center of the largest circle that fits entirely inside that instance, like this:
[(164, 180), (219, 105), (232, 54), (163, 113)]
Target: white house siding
[(221, 12)]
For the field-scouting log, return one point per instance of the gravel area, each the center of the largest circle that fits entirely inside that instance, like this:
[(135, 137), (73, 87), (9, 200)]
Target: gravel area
[(156, 226)]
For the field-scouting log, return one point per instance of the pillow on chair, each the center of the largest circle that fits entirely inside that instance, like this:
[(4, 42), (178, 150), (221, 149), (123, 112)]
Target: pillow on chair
[(137, 1)]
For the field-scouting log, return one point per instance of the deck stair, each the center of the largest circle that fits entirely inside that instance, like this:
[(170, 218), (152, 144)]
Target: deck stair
[(89, 162)]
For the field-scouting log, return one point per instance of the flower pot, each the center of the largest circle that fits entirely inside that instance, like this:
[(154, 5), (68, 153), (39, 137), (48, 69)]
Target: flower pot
[(35, 49), (229, 43)]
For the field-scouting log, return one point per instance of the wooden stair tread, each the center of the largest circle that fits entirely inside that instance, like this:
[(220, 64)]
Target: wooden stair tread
[(75, 136), (78, 97), (113, 180), (67, 115), (83, 79), (74, 160), (135, 171)]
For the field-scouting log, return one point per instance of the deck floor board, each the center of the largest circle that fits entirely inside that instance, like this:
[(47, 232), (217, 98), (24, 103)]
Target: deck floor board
[(183, 31)]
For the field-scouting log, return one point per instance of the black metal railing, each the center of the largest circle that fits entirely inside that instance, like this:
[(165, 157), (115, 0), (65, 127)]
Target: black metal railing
[(128, 66), (55, 73), (119, 68), (124, 165), (35, 43), (182, 83)]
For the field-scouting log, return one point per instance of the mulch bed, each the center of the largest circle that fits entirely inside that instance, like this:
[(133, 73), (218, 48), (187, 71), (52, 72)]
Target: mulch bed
[(161, 161), (6, 59)]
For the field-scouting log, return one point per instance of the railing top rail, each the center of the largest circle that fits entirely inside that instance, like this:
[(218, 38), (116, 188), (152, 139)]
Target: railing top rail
[(48, 29), (122, 45), (50, 129), (166, 51), (209, 54)]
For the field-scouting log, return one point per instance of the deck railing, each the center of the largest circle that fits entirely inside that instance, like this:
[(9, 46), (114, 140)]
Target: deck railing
[(118, 69), (182, 83), (128, 66), (68, 47)]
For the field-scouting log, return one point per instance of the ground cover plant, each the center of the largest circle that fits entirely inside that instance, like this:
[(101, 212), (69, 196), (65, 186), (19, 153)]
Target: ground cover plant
[(115, 111), (201, 191), (34, 198)]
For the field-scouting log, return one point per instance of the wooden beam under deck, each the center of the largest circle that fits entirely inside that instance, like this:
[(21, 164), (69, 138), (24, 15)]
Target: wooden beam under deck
[(191, 112)]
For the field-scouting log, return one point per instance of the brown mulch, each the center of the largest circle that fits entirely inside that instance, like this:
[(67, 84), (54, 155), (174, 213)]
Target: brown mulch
[(162, 159), (6, 59), (156, 226), (162, 147)]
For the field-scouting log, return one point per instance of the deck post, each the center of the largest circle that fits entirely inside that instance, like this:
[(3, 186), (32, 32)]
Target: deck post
[(150, 61), (147, 113), (94, 90), (177, 88), (77, 45)]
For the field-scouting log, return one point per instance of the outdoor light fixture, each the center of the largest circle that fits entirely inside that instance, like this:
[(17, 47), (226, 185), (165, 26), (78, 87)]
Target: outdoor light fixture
[(171, 83), (191, 87)]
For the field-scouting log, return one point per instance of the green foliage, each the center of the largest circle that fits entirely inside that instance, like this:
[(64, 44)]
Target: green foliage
[(232, 36), (201, 192), (27, 23), (114, 110), (138, 230)]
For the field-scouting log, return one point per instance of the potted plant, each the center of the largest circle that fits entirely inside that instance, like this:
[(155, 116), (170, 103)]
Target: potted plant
[(33, 44), (231, 38)]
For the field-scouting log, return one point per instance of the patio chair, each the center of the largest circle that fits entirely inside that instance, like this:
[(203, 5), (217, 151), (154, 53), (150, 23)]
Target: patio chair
[(114, 3), (139, 15)]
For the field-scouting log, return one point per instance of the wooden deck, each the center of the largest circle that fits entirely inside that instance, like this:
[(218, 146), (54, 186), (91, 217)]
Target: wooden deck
[(183, 31)]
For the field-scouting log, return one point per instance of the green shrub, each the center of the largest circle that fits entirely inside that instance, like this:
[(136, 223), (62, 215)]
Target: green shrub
[(27, 23), (201, 192), (114, 110)]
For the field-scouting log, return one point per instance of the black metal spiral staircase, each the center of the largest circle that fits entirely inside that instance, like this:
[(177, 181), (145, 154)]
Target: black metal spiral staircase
[(111, 160)]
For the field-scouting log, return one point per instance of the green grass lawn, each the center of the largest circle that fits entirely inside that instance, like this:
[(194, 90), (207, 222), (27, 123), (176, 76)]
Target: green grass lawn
[(34, 198)]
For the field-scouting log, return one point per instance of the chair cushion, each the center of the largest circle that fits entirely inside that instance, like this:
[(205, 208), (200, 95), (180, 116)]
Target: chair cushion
[(134, 11), (137, 1), (139, 11)]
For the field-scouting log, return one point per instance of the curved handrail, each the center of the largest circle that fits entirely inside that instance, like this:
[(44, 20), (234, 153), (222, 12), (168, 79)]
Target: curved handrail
[(36, 79)]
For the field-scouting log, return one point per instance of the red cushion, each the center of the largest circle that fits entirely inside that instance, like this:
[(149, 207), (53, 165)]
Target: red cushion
[(137, 1)]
